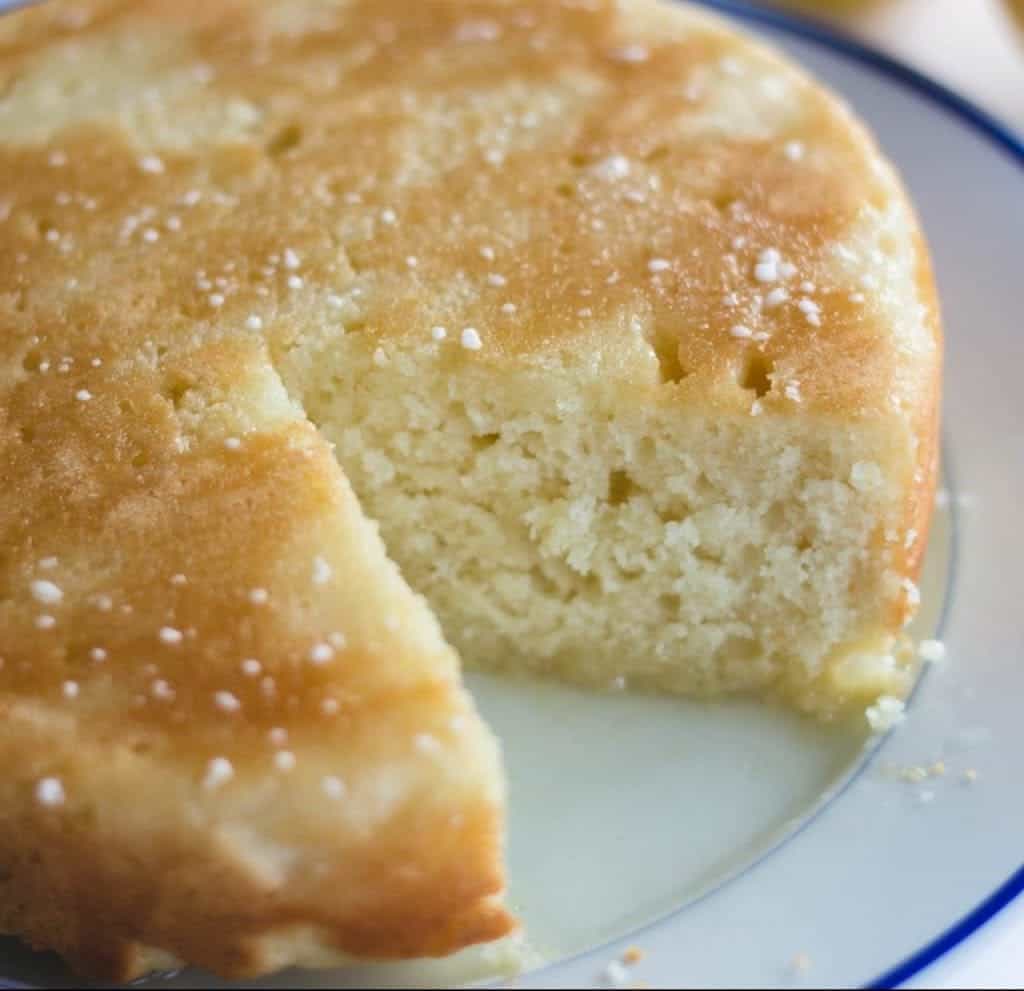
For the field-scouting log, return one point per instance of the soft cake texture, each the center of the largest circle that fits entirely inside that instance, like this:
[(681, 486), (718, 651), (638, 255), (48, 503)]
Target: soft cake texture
[(622, 332)]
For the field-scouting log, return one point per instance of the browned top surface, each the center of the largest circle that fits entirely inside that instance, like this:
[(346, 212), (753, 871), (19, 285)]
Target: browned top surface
[(602, 168)]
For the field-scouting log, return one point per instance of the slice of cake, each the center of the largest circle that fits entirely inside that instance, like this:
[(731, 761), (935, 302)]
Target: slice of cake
[(622, 332), (229, 733)]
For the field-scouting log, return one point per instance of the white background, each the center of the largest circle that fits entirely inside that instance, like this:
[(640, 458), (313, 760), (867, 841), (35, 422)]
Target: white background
[(974, 46)]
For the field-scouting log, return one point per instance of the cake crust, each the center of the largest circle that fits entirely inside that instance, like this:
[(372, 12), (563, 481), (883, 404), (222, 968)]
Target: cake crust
[(192, 194)]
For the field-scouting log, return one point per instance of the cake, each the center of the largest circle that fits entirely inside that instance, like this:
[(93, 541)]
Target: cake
[(617, 327)]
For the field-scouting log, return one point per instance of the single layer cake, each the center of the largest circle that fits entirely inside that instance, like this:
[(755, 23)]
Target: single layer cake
[(621, 331)]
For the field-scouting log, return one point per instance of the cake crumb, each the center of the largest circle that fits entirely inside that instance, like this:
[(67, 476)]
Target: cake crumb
[(914, 774), (933, 651), (169, 635), (615, 974), (794, 150), (633, 955), (321, 653), (426, 743), (322, 571), (886, 714), (611, 168), (50, 792), (218, 772), (731, 66), (46, 592), (160, 689), (811, 311), (768, 268), (471, 339), (226, 701), (334, 787), (969, 776), (630, 54), (478, 30)]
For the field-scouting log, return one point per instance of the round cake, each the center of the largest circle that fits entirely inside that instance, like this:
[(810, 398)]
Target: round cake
[(589, 332)]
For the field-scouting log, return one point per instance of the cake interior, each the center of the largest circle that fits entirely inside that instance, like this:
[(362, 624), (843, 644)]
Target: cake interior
[(598, 529)]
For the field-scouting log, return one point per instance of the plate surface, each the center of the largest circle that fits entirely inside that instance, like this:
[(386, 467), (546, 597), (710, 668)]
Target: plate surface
[(726, 841)]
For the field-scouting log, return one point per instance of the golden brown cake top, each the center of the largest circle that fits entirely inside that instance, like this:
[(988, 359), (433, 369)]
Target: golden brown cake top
[(585, 182)]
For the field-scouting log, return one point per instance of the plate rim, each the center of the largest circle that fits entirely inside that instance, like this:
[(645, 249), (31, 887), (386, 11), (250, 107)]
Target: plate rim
[(1011, 144)]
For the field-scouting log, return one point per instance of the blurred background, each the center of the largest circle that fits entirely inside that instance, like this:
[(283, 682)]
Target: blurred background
[(974, 46)]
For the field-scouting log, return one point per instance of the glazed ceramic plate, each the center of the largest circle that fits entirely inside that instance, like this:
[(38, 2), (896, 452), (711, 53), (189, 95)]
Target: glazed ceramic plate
[(740, 846)]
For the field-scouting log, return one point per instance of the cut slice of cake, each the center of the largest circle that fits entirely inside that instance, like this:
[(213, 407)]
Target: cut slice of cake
[(229, 733), (620, 328)]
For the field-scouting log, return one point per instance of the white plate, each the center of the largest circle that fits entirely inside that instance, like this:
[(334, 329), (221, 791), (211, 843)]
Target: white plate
[(726, 841)]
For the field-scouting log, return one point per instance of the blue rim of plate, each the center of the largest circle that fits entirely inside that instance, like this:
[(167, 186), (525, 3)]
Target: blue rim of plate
[(1000, 135)]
